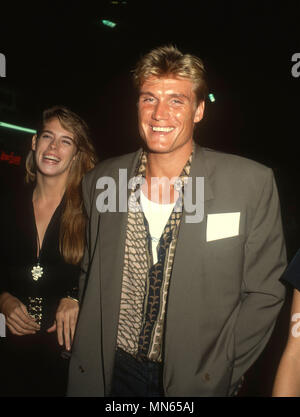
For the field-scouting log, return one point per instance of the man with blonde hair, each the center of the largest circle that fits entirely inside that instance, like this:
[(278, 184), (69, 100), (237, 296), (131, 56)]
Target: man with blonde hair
[(182, 289)]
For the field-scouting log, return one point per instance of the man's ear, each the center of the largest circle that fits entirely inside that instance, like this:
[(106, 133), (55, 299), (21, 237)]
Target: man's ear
[(33, 142), (199, 112)]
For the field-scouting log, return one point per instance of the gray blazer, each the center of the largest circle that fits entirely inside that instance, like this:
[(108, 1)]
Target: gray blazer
[(224, 294)]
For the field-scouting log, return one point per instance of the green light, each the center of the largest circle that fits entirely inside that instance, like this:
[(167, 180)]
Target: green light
[(15, 127), (211, 97), (109, 23)]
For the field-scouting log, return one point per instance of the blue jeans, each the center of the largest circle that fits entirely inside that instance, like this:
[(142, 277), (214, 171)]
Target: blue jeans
[(134, 378)]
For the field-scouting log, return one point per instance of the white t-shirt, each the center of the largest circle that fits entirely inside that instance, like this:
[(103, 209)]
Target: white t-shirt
[(157, 216)]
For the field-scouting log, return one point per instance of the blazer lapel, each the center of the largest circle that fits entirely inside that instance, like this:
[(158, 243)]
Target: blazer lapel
[(200, 168), (191, 238), (112, 234), (192, 235)]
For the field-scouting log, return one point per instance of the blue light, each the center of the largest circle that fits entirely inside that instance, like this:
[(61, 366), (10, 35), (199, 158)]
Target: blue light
[(109, 23), (15, 127), (211, 97)]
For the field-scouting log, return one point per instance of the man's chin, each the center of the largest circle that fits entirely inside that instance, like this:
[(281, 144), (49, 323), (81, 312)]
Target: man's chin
[(157, 148), (153, 149)]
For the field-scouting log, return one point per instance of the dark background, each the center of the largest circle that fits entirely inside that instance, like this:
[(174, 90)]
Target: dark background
[(61, 53)]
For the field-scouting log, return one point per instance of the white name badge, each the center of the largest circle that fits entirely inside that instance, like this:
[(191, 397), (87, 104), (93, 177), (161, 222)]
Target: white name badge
[(222, 225)]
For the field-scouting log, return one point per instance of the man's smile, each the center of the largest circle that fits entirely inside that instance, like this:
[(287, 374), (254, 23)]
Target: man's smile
[(162, 129)]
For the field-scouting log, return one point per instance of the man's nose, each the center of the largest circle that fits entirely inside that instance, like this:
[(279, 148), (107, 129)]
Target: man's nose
[(160, 111)]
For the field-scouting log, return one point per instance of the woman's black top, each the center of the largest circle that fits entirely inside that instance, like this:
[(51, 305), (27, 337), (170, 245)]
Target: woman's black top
[(19, 255), (292, 273), (35, 364)]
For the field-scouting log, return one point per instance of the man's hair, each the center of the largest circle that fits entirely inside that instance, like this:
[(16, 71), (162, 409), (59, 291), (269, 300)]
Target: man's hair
[(168, 60)]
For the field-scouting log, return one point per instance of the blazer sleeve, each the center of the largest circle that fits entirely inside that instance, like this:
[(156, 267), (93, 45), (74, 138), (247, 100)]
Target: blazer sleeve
[(86, 256), (262, 292)]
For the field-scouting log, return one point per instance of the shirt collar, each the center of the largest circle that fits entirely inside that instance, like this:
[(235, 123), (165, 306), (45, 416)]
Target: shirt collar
[(140, 172)]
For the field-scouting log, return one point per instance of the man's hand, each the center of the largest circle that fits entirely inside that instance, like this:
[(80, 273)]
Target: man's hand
[(17, 318), (65, 323)]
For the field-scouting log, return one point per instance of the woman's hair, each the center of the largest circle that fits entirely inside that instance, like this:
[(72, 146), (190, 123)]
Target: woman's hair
[(168, 60), (73, 221)]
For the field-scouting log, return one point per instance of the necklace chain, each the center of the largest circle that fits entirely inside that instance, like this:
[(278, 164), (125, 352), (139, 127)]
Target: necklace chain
[(37, 270)]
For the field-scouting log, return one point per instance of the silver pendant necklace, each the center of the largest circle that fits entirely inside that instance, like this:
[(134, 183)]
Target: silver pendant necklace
[(37, 270)]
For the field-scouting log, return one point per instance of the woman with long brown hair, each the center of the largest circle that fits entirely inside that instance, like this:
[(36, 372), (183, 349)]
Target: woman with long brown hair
[(42, 243)]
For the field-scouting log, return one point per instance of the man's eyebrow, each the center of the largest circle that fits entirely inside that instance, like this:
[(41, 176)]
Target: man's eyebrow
[(146, 93), (176, 95), (180, 95)]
